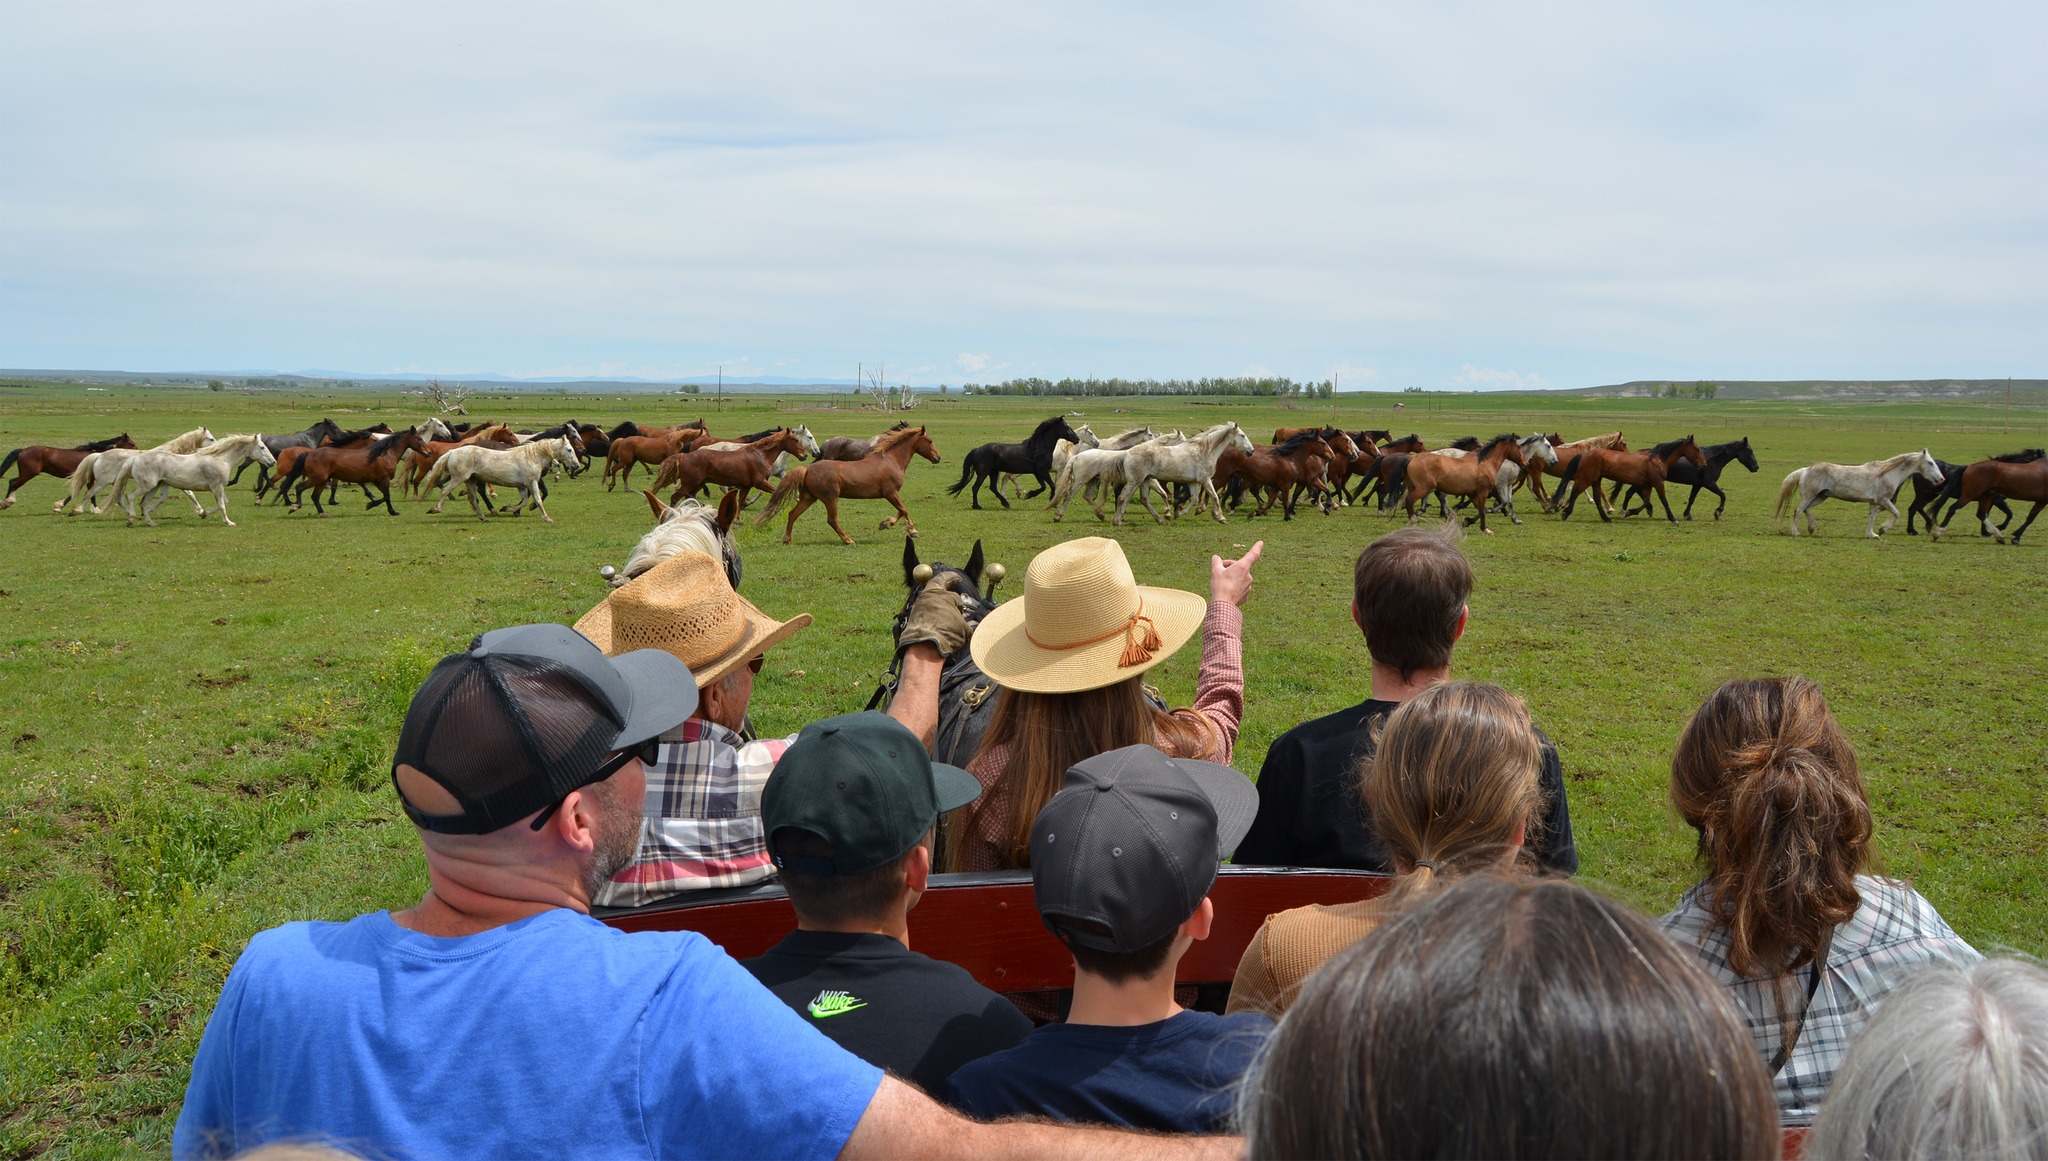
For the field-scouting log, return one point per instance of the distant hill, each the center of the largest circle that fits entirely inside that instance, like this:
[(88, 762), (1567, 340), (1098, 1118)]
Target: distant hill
[(1845, 390), (345, 381)]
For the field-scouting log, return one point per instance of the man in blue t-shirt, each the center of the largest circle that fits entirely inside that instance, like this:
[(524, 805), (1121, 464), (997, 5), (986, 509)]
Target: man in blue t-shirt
[(496, 1018), (1122, 860)]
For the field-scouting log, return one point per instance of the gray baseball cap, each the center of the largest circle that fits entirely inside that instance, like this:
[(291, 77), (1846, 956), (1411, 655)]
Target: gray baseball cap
[(1129, 847)]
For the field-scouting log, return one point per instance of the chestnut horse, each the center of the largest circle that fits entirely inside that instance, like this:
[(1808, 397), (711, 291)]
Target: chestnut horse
[(848, 448), (1344, 450), (1472, 476), (1278, 473), (1637, 469), (745, 468), (628, 450), (289, 455), (877, 477), (1611, 441), (370, 466), (1986, 478), (39, 460), (1389, 469), (419, 464)]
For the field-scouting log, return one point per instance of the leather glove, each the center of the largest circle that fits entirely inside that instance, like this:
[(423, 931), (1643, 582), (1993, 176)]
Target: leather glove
[(935, 617)]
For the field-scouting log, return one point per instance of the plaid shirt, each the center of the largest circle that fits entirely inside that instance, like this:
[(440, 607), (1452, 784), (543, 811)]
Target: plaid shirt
[(703, 824), (1894, 932)]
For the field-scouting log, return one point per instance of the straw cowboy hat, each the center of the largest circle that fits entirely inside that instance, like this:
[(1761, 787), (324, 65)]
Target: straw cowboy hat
[(1083, 622), (686, 607)]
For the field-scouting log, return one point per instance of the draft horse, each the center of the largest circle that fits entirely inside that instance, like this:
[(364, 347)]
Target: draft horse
[(1645, 469), (2015, 481), (877, 477), (987, 463), (40, 460)]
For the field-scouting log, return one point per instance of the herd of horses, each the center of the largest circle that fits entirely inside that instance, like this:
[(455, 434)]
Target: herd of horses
[(1213, 470)]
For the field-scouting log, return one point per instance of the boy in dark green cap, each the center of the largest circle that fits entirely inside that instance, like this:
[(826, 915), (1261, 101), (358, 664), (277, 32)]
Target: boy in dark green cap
[(849, 814)]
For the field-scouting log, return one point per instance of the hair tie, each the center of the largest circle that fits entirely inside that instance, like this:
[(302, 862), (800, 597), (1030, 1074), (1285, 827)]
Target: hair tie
[(1421, 863)]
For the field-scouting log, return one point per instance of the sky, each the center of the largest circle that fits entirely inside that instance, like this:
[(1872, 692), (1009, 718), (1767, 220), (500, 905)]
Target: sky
[(1450, 196)]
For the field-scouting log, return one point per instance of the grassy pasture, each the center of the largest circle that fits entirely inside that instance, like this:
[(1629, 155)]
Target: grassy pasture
[(198, 718)]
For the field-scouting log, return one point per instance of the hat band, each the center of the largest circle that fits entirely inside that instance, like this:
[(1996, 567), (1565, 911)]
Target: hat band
[(1137, 650)]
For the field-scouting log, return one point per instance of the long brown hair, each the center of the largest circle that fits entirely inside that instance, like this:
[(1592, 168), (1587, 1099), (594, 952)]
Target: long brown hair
[(1049, 732), (1454, 774), (1768, 779)]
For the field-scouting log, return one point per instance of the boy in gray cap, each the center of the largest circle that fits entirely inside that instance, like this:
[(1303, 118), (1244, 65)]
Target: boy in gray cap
[(849, 813), (1122, 860)]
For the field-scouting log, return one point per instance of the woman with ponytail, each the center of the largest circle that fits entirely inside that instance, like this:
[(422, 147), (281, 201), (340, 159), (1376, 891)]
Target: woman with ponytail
[(1453, 789), (1789, 918)]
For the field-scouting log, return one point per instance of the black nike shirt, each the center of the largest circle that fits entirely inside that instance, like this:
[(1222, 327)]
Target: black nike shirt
[(916, 1016)]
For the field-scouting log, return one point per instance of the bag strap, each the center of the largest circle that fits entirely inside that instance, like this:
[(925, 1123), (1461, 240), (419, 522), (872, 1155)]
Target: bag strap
[(1785, 1050)]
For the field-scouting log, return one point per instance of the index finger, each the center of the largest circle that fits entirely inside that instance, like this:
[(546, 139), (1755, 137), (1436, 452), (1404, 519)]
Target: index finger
[(1252, 554)]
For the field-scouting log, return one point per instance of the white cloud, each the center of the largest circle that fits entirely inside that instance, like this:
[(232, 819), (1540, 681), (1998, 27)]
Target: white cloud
[(1471, 378), (972, 364), (1610, 193)]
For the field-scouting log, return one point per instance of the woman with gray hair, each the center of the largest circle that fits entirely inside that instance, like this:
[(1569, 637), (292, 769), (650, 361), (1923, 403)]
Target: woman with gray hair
[(1954, 1065)]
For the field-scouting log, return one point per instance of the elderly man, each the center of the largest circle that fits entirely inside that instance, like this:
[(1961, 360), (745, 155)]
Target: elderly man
[(703, 825), (497, 1019)]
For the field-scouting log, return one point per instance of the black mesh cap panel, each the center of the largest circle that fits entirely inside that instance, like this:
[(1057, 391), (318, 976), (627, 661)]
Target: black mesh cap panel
[(506, 735)]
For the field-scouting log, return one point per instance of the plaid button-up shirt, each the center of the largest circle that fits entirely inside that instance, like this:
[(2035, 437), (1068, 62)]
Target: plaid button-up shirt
[(703, 825), (1894, 932)]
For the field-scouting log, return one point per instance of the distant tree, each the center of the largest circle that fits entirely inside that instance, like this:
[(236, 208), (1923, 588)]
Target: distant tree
[(215, 385), (444, 399)]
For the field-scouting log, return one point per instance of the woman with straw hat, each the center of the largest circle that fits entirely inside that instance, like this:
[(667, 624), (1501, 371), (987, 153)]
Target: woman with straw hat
[(1070, 655)]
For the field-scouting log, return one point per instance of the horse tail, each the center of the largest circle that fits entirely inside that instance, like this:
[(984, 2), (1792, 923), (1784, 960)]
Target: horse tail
[(966, 470), (283, 484), (121, 479), (434, 474), (1570, 472), (791, 481), (1786, 489), (9, 461)]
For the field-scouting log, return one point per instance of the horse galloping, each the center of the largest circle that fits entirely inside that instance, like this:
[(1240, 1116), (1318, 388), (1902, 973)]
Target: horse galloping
[(416, 464), (1566, 452), (156, 471), (1873, 482), (877, 477), (1192, 462), (1927, 498), (95, 473), (1473, 477), (288, 459), (848, 449), (1084, 438), (742, 467), (2026, 480), (1707, 476), (987, 463), (371, 465), (41, 460), (523, 466), (627, 451), (1278, 473), (313, 436), (1645, 469)]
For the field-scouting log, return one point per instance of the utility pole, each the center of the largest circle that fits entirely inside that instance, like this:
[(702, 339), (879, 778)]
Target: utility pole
[(721, 387), (2008, 403)]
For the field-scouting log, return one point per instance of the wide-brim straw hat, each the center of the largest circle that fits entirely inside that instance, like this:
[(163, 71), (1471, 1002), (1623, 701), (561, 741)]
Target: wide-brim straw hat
[(684, 606), (1084, 622)]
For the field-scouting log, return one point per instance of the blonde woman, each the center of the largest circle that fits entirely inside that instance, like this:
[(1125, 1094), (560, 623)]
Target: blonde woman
[(1070, 656), (1453, 789)]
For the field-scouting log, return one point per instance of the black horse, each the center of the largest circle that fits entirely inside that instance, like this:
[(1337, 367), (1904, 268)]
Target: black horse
[(1686, 472), (966, 694), (1033, 457), (1927, 498), (310, 437)]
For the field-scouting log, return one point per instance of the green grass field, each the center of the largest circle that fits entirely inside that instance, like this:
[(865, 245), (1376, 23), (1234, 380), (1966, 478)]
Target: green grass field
[(198, 718)]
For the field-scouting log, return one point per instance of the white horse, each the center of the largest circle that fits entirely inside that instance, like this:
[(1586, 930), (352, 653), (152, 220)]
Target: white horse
[(432, 428), (521, 467), (782, 459), (688, 527), (1098, 472), (1192, 463), (1534, 447), (95, 473), (156, 471), (1874, 483)]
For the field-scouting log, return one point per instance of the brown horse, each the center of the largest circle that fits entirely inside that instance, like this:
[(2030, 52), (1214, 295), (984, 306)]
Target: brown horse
[(1471, 476), (878, 477), (419, 464), (629, 450), (1278, 473), (288, 457), (1611, 441), (371, 466), (1384, 477), (1645, 469), (745, 468), (1344, 451), (1986, 480), (847, 448), (39, 460)]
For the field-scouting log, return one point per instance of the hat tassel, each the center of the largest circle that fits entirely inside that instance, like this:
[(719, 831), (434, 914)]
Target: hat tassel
[(1137, 650)]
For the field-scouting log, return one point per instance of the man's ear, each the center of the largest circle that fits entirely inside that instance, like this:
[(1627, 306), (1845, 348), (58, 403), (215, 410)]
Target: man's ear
[(1199, 924), (1358, 618), (575, 821), (917, 869), (1464, 614)]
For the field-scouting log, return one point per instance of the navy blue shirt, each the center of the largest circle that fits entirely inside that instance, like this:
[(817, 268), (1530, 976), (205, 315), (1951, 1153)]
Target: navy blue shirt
[(1179, 1075)]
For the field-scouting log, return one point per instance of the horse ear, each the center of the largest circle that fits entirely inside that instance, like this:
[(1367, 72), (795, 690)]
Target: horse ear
[(661, 510), (909, 558), (973, 569), (729, 510)]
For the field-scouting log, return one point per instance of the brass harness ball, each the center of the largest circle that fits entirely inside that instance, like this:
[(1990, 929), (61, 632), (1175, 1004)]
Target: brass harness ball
[(921, 573), (607, 572), (996, 572)]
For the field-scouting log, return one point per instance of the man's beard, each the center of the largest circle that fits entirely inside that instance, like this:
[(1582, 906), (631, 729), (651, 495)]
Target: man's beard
[(618, 837)]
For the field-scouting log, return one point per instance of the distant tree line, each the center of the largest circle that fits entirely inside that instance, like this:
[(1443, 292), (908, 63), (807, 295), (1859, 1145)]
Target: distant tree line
[(1281, 388), (1696, 390)]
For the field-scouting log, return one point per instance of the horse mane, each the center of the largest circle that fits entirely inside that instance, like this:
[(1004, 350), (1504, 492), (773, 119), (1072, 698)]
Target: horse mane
[(900, 425), (1466, 443), (1665, 449), (1411, 437), (2024, 456), (623, 431), (384, 445), (894, 436), (1294, 442), (1043, 435), (100, 445), (346, 436), (764, 433), (1496, 441)]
